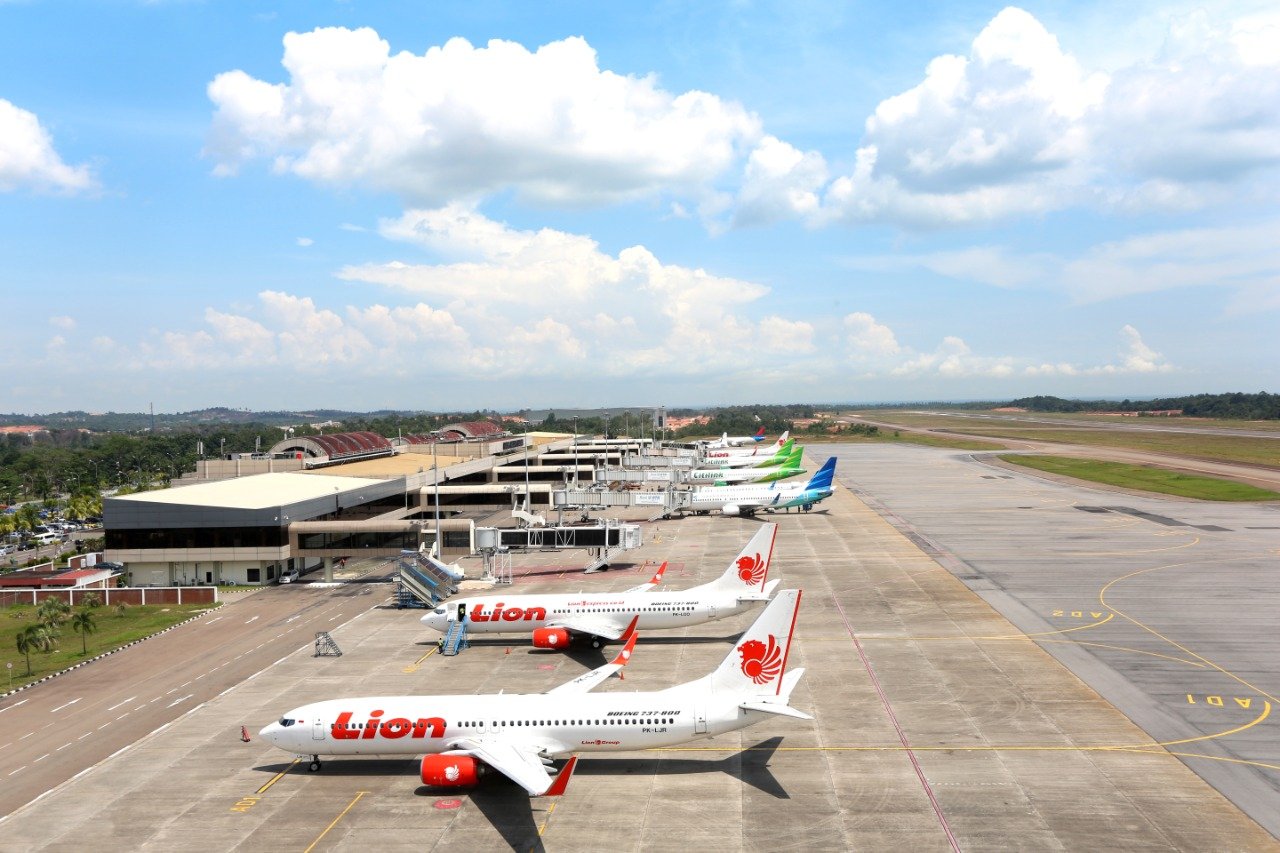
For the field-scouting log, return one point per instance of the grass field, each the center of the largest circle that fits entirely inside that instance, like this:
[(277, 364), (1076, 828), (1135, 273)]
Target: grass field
[(1144, 478), (113, 630), (1246, 449)]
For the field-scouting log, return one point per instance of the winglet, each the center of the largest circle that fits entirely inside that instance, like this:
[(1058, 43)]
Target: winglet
[(631, 636), (561, 781)]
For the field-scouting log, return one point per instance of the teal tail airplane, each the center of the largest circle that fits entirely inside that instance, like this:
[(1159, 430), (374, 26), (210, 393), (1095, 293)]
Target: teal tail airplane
[(750, 499)]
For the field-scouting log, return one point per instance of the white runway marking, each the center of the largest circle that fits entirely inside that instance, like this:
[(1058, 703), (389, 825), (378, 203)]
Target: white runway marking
[(254, 619), (68, 705), (177, 701), (14, 705), (118, 704), (41, 758), (83, 736), (19, 770)]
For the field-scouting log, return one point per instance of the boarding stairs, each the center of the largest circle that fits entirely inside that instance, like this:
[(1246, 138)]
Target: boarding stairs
[(420, 583), (455, 640), (326, 647)]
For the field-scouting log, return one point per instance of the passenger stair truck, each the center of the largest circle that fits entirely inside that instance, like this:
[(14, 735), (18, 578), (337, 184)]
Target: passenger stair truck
[(424, 581)]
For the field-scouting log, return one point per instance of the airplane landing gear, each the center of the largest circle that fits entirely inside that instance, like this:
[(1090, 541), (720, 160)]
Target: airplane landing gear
[(314, 766)]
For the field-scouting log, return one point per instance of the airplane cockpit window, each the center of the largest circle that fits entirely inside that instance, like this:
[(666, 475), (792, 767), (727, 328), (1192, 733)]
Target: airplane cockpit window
[(286, 722)]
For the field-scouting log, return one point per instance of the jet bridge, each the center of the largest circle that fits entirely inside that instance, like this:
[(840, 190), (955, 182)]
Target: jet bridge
[(606, 538), (661, 477), (655, 461), (663, 503)]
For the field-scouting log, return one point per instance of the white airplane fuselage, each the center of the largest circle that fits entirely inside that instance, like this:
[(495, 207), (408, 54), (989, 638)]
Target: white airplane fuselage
[(592, 722), (524, 613), (754, 497)]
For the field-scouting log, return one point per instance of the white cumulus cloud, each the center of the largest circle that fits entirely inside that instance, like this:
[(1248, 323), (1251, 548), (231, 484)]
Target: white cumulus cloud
[(460, 122), (28, 159), (1019, 126)]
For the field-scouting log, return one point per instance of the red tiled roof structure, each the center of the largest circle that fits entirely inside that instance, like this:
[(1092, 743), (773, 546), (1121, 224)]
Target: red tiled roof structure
[(338, 446)]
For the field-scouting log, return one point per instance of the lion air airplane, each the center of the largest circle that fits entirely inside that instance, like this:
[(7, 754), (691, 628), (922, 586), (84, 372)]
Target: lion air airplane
[(756, 450), (727, 440), (463, 737), (754, 461), (596, 618)]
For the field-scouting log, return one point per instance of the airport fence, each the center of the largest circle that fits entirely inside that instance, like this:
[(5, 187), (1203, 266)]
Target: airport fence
[(133, 596)]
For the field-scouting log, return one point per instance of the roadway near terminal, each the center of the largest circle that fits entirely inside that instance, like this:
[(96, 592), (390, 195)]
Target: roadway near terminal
[(53, 731), (940, 724)]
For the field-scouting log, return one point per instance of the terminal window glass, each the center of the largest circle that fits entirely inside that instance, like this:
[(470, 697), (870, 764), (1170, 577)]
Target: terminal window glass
[(253, 575)]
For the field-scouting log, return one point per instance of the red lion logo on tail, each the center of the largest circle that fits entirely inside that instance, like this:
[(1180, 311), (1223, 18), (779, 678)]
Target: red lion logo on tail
[(761, 663), (751, 570)]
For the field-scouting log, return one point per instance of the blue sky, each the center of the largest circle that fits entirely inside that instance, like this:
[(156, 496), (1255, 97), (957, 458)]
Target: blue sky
[(457, 205)]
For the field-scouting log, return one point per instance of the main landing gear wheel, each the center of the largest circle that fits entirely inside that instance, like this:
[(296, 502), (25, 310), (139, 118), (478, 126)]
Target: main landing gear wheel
[(314, 766)]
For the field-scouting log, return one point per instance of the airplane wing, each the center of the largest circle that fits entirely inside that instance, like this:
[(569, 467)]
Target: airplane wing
[(588, 680), (595, 626), (519, 762), (653, 581)]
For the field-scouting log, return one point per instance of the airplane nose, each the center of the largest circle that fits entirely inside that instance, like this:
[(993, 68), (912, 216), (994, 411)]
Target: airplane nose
[(269, 732)]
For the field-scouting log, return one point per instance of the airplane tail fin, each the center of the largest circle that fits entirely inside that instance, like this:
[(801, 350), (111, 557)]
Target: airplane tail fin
[(748, 571), (824, 477), (759, 436), (757, 665)]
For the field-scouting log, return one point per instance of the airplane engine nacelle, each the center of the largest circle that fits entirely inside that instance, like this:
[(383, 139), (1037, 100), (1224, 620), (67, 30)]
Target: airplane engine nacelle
[(451, 771), (550, 638), (730, 509)]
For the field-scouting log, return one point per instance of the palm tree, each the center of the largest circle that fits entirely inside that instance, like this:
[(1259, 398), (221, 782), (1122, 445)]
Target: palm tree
[(33, 638), (51, 613), (82, 624), (27, 517)]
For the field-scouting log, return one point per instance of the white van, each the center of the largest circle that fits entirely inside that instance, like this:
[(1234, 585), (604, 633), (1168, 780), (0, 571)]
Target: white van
[(46, 538)]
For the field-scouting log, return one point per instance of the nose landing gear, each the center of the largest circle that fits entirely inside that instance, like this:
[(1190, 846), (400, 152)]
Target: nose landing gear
[(314, 766)]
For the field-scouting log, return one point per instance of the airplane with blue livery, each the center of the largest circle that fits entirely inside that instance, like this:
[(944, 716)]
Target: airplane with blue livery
[(749, 499)]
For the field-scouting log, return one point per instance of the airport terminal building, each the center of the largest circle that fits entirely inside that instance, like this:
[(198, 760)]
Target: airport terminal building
[(353, 495)]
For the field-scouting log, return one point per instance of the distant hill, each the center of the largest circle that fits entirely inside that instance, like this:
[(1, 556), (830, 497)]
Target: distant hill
[(1235, 405), (217, 416)]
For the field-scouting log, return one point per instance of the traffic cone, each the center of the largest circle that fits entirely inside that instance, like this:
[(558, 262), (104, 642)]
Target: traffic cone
[(508, 650), (244, 734)]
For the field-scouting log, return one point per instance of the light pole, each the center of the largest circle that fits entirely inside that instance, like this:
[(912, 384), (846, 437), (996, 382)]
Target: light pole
[(435, 479)]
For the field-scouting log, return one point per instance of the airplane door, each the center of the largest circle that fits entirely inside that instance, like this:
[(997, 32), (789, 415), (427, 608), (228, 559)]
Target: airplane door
[(462, 613), (317, 729), (700, 718)]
